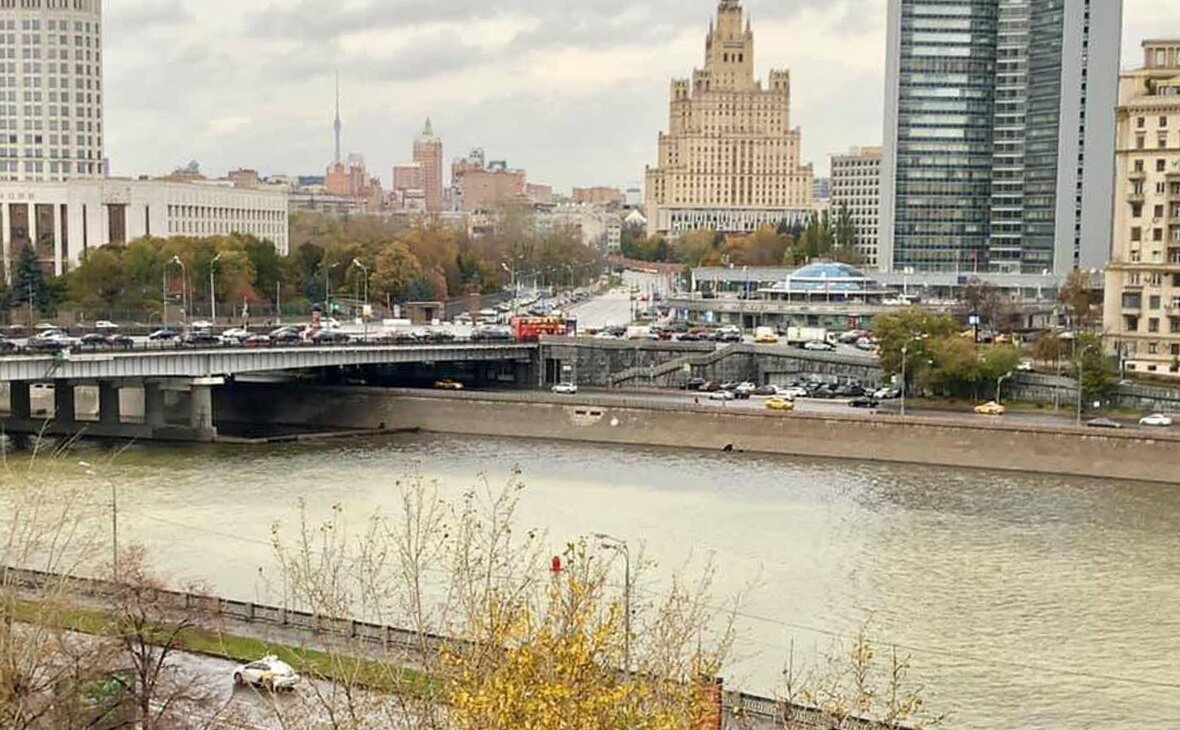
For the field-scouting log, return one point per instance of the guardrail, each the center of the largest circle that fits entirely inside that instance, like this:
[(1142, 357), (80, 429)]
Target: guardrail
[(738, 704)]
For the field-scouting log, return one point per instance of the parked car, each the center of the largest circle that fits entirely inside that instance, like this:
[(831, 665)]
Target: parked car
[(448, 384), (711, 386), (722, 395), (1105, 423), (990, 409), (888, 394), (864, 402), (1025, 366), (695, 384), (819, 346), (565, 389), (1156, 420), (865, 344), (746, 388), (268, 673), (766, 391), (780, 404), (791, 392), (162, 335)]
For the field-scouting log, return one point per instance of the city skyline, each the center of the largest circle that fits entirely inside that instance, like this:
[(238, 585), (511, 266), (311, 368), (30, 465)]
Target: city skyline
[(594, 107)]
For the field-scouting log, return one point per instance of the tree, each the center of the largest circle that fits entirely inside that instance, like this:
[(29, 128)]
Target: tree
[(1079, 298), (100, 280), (396, 270), (1098, 374), (845, 230), (912, 328), (29, 284)]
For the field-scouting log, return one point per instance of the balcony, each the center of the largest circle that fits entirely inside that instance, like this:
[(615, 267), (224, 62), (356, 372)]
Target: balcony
[(1135, 197), (1137, 175)]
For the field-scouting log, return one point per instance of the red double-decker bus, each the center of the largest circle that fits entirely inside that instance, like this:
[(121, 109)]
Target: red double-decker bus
[(531, 329)]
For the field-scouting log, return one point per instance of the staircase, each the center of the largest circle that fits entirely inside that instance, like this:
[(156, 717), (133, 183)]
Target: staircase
[(696, 360)]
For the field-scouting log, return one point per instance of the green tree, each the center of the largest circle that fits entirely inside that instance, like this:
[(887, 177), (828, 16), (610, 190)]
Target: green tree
[(29, 283), (697, 248), (396, 270), (912, 328), (100, 280), (1098, 373)]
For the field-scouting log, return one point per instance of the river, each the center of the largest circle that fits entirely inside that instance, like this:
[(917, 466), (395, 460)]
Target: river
[(1031, 602)]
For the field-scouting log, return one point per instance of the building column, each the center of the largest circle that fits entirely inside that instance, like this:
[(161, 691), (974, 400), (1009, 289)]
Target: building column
[(32, 214), (20, 402), (59, 253), (153, 405), (63, 401), (201, 412), (6, 241), (108, 403)]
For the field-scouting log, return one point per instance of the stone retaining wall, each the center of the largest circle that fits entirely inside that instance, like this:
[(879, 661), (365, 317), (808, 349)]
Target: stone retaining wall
[(1059, 451)]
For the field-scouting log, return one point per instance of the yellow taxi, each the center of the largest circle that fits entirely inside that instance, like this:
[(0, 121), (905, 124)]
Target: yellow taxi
[(780, 404), (990, 409)]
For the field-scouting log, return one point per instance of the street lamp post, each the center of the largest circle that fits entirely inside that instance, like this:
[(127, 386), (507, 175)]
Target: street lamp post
[(905, 351), (364, 312), (213, 289), (183, 284), (1000, 385), (328, 288), (90, 472), (620, 546)]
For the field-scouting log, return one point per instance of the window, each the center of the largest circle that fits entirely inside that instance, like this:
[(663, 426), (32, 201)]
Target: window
[(1159, 212), (1132, 300), (1157, 234), (1161, 165), (1137, 233), (1138, 165), (1132, 324), (1153, 325), (1141, 122), (1163, 121), (1140, 141), (1154, 302), (1136, 210)]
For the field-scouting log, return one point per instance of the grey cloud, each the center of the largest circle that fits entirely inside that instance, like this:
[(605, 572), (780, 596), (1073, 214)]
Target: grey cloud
[(149, 14)]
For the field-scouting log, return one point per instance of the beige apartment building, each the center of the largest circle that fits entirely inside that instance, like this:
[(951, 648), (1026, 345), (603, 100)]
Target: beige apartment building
[(856, 185), (730, 160), (1142, 313)]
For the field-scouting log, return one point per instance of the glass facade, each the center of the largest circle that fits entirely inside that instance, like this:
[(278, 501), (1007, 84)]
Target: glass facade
[(944, 144)]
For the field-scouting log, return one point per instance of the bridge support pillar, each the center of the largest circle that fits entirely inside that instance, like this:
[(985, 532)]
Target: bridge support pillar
[(201, 412), (20, 401), (109, 406), (63, 402), (153, 405)]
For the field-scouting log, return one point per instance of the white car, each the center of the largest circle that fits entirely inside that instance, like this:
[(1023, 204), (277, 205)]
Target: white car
[(791, 393), (818, 345), (722, 395), (746, 388), (103, 324), (234, 336), (1157, 420), (1026, 366), (565, 389), (268, 673)]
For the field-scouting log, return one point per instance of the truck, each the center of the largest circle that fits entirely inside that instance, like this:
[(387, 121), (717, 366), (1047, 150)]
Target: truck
[(803, 335)]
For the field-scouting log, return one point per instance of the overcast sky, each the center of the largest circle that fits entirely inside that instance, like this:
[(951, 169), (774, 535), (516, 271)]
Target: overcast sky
[(575, 91)]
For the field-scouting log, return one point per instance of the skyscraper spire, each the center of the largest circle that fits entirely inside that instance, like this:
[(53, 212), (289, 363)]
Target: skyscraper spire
[(336, 126)]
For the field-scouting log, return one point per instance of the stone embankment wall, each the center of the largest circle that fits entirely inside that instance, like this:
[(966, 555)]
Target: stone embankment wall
[(1059, 451)]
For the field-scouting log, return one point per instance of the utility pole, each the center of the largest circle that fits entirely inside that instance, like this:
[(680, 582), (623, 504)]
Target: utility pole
[(213, 289), (620, 546)]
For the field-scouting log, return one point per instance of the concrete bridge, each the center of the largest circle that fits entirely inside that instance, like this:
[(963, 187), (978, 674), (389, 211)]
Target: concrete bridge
[(179, 382)]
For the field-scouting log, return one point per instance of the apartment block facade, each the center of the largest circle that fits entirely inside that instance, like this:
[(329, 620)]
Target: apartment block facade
[(1142, 308), (856, 185)]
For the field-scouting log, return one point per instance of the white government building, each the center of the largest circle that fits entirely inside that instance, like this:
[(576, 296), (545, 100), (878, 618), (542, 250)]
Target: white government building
[(54, 193), (64, 219)]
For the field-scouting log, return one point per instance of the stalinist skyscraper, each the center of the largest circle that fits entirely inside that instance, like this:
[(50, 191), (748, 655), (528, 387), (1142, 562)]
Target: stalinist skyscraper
[(730, 159)]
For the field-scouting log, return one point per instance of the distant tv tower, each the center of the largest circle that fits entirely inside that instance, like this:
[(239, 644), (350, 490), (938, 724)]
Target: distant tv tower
[(336, 126)]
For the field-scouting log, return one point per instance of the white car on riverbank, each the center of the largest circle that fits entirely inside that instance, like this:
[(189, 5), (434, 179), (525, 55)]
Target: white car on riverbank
[(565, 389), (268, 673), (1157, 420)]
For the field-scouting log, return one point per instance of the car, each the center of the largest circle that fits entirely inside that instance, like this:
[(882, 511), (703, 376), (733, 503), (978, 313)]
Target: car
[(330, 337), (448, 384), (990, 409), (269, 673), (104, 324), (120, 342), (791, 392), (95, 341), (1026, 366), (1104, 423), (746, 388), (818, 346), (200, 339), (1156, 420), (864, 402), (766, 391), (234, 336), (780, 404), (766, 338), (286, 336), (52, 341), (864, 344), (565, 389), (722, 395), (695, 384), (488, 333), (6, 346), (887, 394), (710, 386), (257, 340), (731, 338), (164, 334)]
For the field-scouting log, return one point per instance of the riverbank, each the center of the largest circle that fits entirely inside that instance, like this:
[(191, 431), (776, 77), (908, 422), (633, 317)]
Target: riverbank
[(928, 441)]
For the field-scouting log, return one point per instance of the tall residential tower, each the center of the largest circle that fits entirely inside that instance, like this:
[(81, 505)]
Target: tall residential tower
[(999, 134), (730, 160), (51, 123), (428, 152)]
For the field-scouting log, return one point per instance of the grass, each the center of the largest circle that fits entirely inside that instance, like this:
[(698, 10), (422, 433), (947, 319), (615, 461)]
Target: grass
[(351, 670)]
